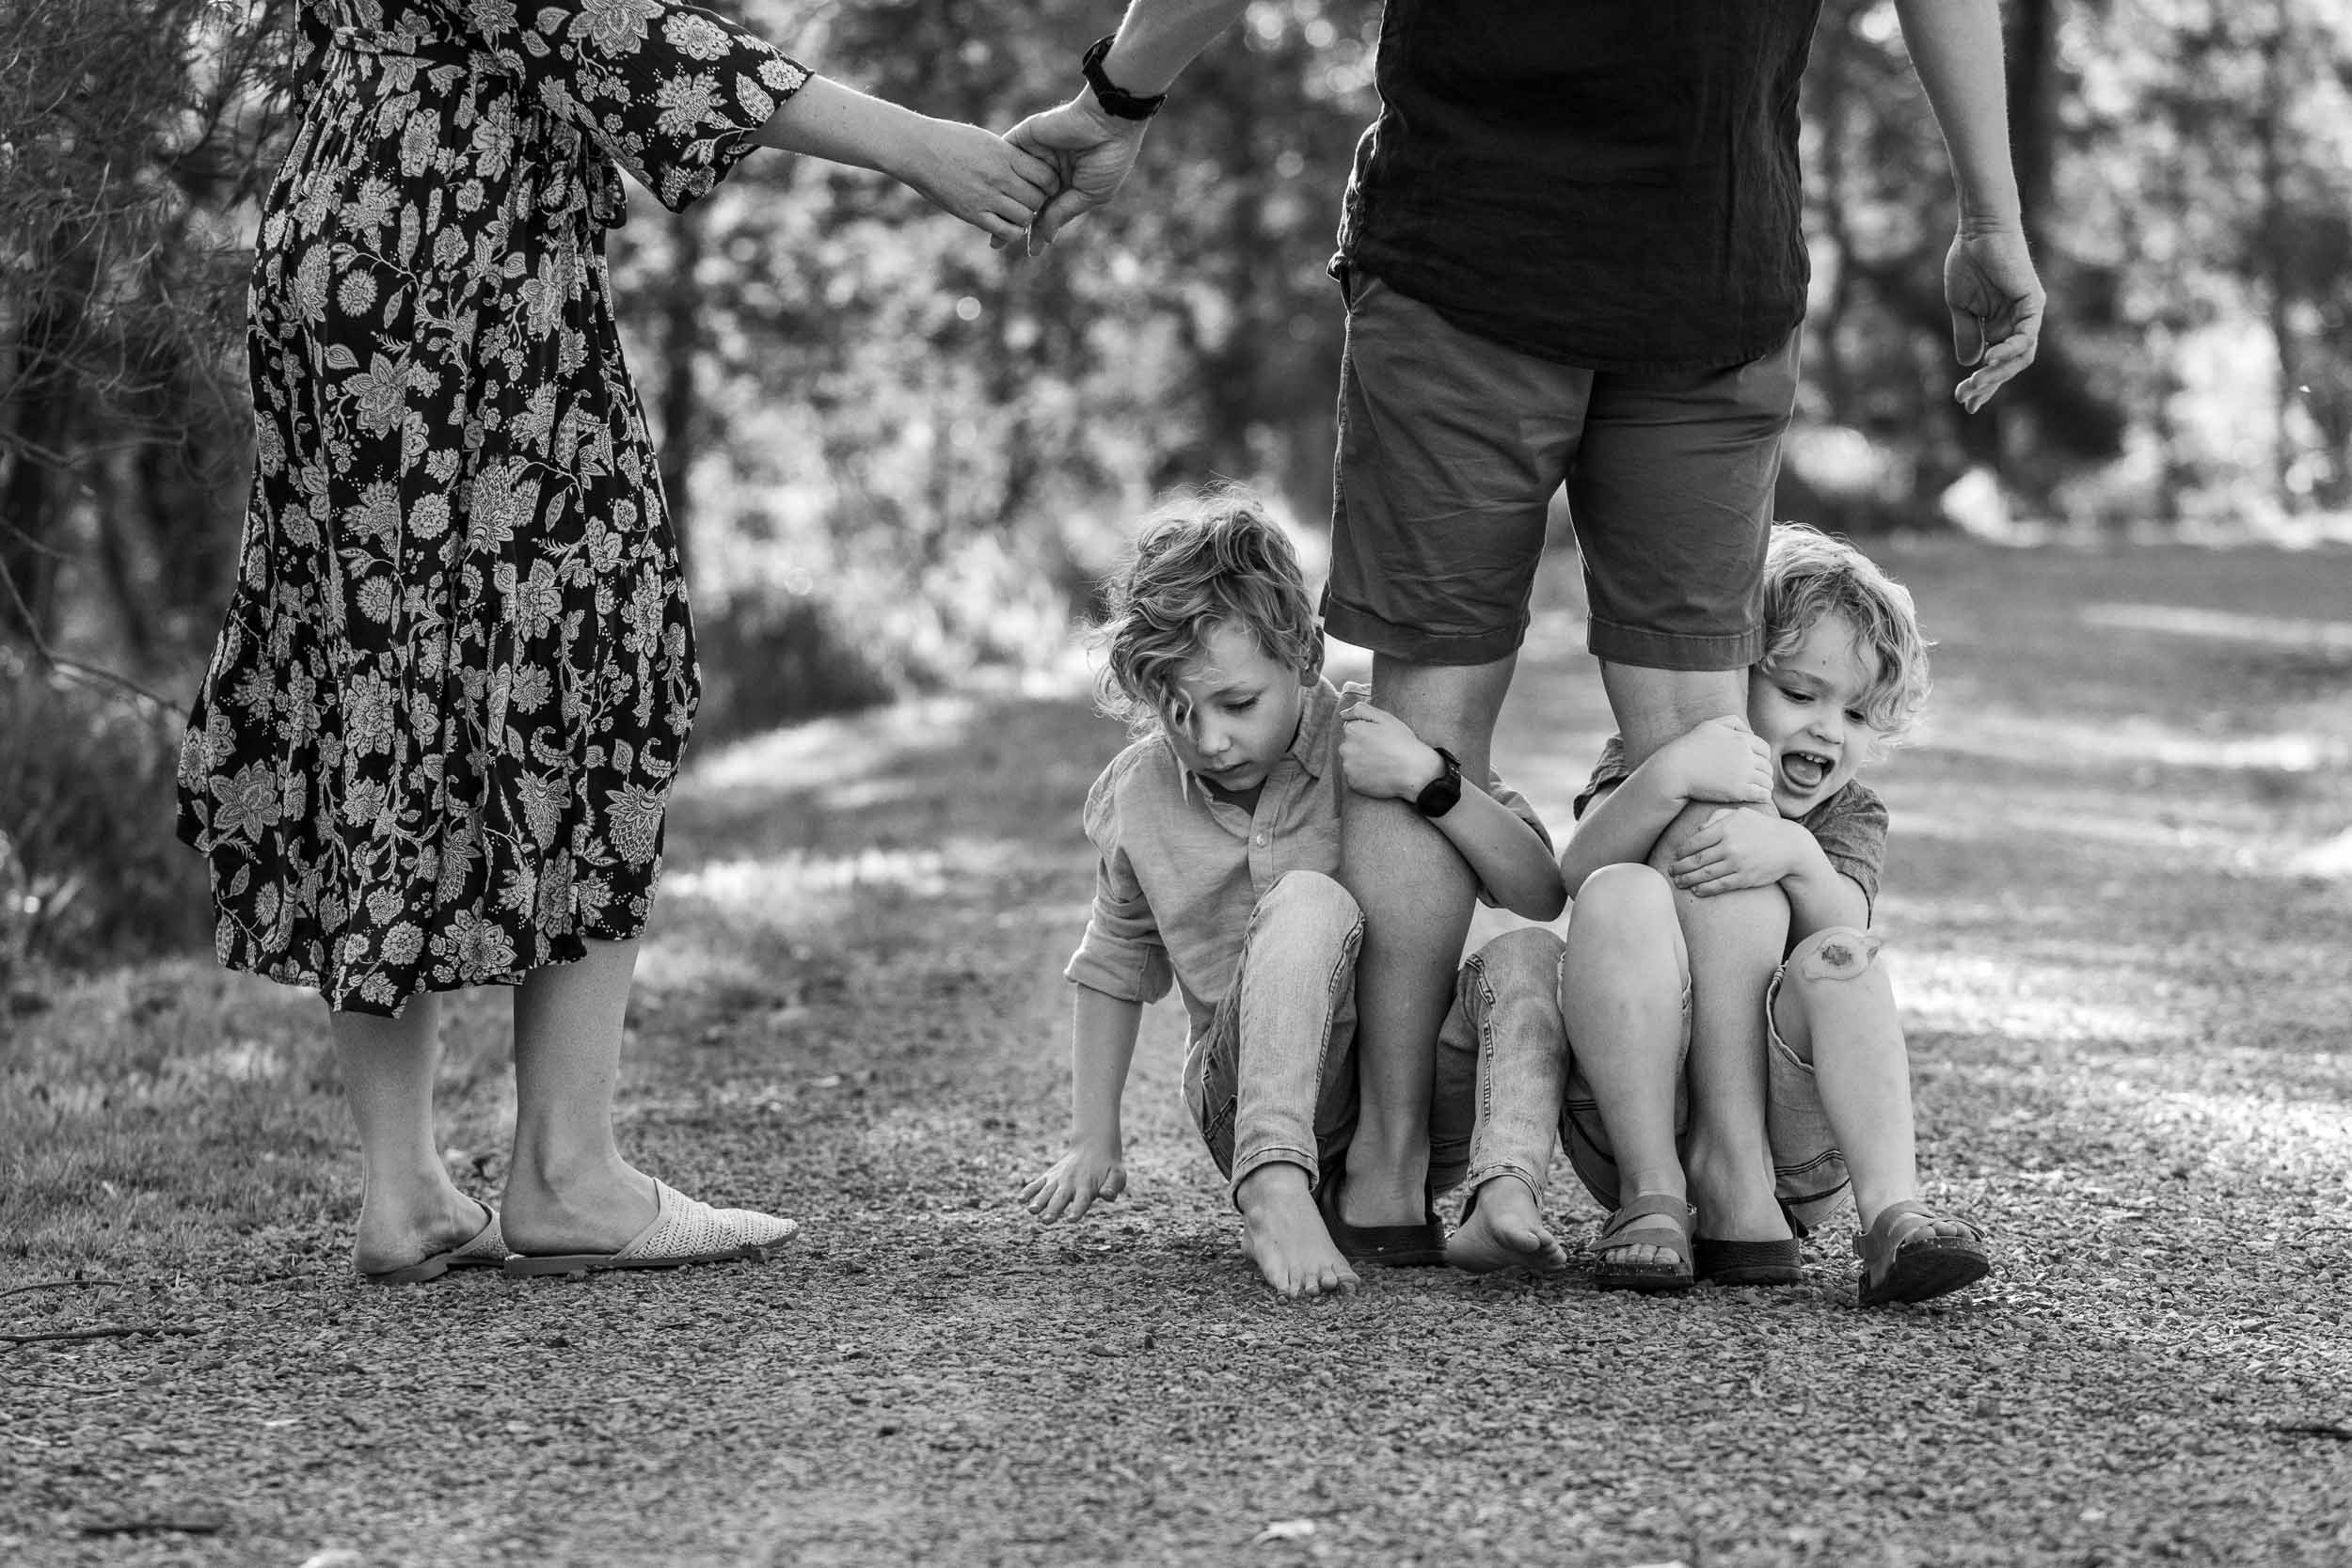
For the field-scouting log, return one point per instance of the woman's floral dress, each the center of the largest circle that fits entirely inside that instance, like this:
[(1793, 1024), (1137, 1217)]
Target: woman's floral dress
[(435, 740)]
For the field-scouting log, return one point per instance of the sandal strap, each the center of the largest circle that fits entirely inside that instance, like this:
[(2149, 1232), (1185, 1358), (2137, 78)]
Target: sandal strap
[(1649, 1216), (1879, 1240)]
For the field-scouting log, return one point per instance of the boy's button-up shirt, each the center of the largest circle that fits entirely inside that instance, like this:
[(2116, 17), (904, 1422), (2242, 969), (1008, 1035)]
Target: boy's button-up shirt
[(1180, 870)]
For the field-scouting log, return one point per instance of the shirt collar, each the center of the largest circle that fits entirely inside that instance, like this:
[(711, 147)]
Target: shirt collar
[(1312, 745)]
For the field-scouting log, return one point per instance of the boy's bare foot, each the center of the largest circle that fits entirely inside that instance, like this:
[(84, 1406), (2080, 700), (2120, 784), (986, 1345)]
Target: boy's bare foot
[(1283, 1233), (1503, 1228)]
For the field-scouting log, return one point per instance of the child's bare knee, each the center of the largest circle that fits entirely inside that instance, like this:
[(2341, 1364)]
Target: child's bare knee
[(1839, 953)]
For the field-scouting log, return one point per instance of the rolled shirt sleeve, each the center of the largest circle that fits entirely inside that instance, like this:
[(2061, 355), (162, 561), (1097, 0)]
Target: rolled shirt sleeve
[(1851, 828), (1121, 954), (671, 93)]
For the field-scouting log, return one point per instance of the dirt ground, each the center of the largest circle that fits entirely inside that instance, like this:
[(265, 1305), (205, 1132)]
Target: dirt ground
[(2121, 904)]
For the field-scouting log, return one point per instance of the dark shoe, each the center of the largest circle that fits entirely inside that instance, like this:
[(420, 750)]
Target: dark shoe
[(1917, 1266), (1387, 1246), (1720, 1262), (1653, 1219)]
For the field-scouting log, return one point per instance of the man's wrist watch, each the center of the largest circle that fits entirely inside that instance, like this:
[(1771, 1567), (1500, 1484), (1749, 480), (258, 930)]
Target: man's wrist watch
[(1117, 104), (1442, 793)]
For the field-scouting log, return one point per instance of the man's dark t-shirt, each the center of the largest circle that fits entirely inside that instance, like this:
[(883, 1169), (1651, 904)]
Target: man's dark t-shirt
[(1608, 183)]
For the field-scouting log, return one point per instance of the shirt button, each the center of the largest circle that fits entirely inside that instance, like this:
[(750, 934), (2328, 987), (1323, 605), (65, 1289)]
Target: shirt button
[(1262, 841)]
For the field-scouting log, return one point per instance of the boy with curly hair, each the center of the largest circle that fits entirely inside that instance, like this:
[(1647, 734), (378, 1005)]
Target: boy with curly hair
[(1217, 832), (1844, 676)]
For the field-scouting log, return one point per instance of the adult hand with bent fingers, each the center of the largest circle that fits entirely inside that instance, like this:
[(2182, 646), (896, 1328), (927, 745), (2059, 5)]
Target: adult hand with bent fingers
[(1996, 303), (1090, 151)]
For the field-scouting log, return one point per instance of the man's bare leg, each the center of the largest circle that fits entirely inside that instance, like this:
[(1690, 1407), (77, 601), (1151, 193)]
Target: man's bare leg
[(1416, 895), (1735, 942)]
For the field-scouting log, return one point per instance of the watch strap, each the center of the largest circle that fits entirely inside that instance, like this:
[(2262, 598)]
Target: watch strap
[(1115, 101), (1444, 792)]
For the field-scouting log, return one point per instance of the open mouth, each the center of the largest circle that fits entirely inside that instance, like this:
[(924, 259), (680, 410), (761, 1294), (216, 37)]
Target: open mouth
[(1806, 771)]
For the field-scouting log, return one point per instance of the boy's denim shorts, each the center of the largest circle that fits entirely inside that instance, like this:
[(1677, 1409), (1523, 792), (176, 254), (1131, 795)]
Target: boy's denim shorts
[(1451, 447), (1810, 1174)]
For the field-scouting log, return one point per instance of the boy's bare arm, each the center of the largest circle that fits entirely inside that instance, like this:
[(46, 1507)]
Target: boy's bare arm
[(1820, 895), (1736, 849), (1102, 1045), (1720, 760), (1381, 756)]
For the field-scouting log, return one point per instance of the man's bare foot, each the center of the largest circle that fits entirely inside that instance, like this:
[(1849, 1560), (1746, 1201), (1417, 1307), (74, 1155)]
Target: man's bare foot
[(1283, 1234), (1733, 1203), (1373, 1198), (1505, 1230)]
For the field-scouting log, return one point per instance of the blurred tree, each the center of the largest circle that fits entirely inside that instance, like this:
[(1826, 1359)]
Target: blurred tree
[(134, 136)]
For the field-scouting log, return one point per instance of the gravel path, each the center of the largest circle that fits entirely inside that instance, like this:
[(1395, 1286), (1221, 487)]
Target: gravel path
[(2120, 906)]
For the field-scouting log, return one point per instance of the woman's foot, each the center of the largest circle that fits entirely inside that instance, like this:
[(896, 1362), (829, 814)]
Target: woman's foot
[(424, 1238), (598, 1210), (683, 1230), (1502, 1227), (1283, 1234), (1911, 1253)]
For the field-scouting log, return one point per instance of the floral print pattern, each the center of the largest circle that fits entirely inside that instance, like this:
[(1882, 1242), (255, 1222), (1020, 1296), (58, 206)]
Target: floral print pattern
[(435, 739)]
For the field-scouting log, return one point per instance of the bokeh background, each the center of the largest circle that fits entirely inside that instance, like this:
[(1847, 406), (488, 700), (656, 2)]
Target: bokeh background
[(900, 460)]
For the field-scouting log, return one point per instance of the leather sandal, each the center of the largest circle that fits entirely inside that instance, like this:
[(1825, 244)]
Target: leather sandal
[(1916, 1265), (1653, 1219)]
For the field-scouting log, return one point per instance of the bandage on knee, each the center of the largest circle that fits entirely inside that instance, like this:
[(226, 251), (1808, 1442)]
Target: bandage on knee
[(1839, 954)]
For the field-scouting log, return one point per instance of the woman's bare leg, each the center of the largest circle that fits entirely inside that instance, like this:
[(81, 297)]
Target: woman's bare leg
[(569, 1191), (410, 1209)]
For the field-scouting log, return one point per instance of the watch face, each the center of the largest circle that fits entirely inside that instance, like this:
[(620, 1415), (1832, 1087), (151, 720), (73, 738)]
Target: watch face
[(1442, 793)]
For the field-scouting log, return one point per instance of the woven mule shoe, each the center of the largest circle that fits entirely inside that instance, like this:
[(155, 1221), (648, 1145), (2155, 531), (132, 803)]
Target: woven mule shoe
[(484, 1249), (682, 1231)]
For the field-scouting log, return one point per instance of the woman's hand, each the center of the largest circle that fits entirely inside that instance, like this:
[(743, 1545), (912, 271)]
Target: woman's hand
[(978, 176), (1091, 1173)]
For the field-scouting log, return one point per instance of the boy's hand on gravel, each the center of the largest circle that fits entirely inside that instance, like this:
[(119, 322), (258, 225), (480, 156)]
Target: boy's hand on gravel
[(1085, 1175), (1381, 756), (1721, 759), (1735, 850)]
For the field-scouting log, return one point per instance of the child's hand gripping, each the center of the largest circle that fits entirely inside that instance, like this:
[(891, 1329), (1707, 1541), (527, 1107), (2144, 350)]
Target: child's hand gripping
[(978, 176), (1720, 759), (1735, 850), (1088, 1174), (1381, 756)]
